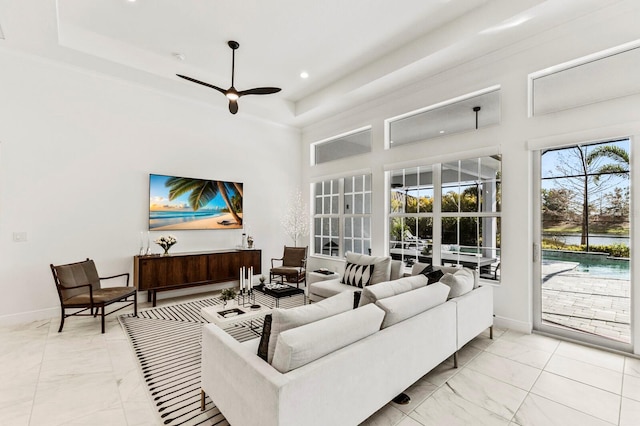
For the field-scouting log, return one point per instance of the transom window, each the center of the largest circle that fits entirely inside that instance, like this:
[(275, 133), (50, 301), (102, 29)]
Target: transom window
[(347, 145), (466, 113)]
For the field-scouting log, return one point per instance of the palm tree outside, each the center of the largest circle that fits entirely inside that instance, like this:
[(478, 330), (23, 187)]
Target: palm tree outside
[(580, 177)]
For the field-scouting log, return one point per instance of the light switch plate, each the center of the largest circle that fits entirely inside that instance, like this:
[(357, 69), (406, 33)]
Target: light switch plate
[(19, 237)]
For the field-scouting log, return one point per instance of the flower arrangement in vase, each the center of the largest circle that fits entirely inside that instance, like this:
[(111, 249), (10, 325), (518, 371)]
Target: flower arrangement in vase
[(166, 242)]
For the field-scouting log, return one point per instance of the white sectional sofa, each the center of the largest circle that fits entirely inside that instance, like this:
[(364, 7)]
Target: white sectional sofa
[(345, 383)]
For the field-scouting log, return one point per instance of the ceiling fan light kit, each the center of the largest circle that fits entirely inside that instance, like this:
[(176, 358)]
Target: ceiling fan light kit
[(231, 93)]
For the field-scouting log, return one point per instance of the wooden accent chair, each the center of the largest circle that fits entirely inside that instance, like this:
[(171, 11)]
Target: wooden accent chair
[(78, 286), (293, 267)]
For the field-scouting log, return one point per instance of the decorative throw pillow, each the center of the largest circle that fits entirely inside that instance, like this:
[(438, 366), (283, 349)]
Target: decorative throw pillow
[(263, 348), (381, 265), (356, 298), (426, 270), (461, 282), (431, 273), (357, 275), (434, 276)]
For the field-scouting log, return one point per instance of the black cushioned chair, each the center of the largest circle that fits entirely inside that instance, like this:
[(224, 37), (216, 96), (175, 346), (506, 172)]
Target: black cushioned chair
[(78, 286), (293, 267)]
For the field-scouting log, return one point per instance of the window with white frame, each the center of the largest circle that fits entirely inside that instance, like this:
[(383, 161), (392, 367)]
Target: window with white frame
[(342, 216), (448, 214), (347, 145), (466, 113)]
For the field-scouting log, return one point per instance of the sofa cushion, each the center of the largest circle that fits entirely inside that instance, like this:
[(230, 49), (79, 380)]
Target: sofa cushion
[(357, 275), (406, 305), (302, 345), (460, 282), (329, 288), (285, 319), (381, 269), (390, 288)]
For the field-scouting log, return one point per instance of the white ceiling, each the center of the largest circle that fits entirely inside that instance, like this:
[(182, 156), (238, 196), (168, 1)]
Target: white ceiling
[(353, 50)]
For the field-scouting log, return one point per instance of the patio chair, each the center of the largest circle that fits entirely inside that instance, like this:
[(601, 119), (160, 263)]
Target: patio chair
[(78, 286), (293, 267), (490, 272)]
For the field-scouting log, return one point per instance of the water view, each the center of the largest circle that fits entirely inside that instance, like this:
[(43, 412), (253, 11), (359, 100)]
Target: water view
[(159, 219), (594, 239)]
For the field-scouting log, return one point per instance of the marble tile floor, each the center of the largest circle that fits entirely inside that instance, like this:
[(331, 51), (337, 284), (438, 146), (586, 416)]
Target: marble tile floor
[(81, 377)]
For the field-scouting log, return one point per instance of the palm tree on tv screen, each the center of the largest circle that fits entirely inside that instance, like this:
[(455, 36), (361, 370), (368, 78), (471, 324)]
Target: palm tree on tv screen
[(203, 191)]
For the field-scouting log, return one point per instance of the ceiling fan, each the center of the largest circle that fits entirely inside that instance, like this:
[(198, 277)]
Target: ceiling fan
[(231, 93)]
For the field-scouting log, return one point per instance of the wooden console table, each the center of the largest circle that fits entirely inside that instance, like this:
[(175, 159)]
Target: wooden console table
[(179, 270)]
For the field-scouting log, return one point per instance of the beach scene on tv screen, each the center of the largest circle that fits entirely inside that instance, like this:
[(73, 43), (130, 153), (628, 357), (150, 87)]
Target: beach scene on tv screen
[(177, 203)]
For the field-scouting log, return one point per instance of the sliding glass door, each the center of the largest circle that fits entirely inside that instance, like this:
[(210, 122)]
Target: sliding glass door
[(582, 283)]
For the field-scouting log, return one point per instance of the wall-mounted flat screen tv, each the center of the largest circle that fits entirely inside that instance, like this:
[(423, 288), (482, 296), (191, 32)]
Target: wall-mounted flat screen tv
[(180, 203)]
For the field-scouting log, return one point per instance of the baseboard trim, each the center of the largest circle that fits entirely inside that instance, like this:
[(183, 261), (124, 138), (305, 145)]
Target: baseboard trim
[(511, 324), (54, 313), (30, 316)]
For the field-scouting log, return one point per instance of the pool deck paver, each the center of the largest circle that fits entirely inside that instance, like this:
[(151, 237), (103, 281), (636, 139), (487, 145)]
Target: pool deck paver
[(586, 303)]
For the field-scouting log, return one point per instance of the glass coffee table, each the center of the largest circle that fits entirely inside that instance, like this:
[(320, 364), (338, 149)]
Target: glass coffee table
[(278, 291)]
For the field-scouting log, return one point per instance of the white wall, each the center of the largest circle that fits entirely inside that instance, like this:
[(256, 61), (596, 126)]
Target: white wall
[(76, 150), (508, 68)]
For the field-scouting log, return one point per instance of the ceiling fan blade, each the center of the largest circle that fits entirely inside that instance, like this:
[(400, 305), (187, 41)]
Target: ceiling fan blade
[(233, 106), (260, 91), (223, 91)]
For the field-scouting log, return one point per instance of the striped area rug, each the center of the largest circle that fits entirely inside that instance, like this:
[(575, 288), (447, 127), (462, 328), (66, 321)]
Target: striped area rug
[(166, 341)]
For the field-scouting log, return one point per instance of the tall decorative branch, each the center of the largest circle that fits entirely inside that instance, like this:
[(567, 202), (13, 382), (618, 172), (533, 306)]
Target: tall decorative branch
[(296, 219)]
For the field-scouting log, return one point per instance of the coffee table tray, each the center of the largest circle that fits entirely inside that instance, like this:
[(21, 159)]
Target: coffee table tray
[(279, 291), (222, 316)]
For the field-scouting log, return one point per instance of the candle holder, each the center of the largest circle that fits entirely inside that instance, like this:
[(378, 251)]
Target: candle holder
[(246, 297)]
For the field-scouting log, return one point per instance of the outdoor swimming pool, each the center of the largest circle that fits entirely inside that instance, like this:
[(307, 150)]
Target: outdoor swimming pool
[(617, 269), (598, 266)]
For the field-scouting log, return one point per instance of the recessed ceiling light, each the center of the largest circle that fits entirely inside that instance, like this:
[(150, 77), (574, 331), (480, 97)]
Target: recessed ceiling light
[(131, 1), (441, 131), (304, 74), (390, 141)]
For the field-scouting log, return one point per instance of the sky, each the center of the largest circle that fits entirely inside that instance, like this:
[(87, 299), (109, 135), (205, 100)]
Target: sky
[(550, 160)]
